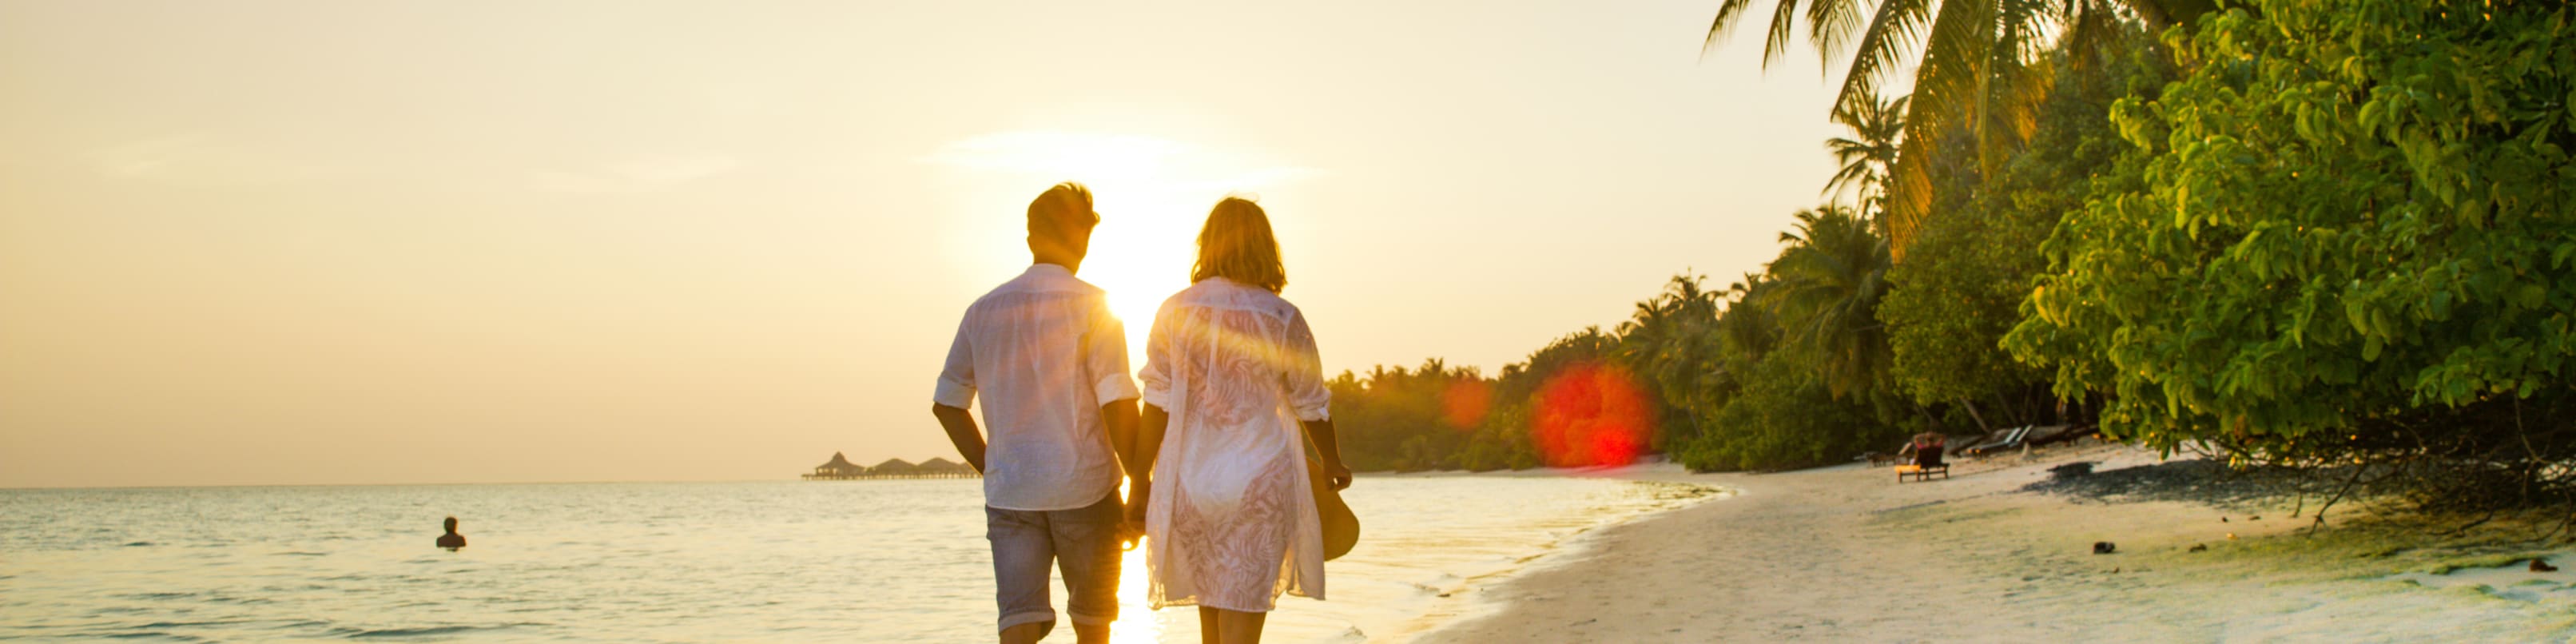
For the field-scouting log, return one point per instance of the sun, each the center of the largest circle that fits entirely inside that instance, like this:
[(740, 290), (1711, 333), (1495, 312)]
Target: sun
[(1152, 193)]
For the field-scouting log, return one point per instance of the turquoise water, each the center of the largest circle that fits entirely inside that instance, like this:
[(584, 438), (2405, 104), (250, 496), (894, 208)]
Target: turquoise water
[(863, 561)]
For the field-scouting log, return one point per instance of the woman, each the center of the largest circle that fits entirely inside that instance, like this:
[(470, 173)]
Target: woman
[(1231, 376), (1927, 448)]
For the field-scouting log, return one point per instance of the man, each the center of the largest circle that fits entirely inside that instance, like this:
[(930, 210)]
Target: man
[(451, 540), (1050, 363)]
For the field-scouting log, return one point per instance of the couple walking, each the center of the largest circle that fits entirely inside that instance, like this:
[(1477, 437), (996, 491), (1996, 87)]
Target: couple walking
[(1216, 458)]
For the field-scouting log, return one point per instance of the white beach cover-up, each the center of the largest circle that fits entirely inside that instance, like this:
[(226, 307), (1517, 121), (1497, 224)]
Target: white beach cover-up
[(1231, 522)]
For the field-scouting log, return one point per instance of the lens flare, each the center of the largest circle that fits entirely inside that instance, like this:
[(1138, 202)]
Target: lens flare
[(1591, 415), (1464, 404)]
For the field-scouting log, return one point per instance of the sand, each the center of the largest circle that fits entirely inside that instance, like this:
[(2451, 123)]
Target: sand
[(1847, 554)]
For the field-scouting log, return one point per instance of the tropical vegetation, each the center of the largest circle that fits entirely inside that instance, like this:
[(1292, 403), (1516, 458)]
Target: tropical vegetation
[(2333, 235)]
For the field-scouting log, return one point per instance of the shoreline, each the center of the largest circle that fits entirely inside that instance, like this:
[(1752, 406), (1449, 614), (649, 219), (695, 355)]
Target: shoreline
[(1846, 553), (1466, 600)]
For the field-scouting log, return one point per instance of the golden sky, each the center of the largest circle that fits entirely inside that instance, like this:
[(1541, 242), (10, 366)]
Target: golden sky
[(369, 242)]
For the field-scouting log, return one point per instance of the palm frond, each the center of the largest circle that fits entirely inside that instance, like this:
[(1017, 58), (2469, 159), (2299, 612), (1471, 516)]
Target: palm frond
[(1726, 16), (1895, 27), (1830, 25), (1783, 19)]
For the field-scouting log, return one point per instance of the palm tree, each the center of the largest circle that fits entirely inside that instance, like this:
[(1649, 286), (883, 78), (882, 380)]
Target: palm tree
[(1866, 155), (1826, 288), (1748, 328), (1666, 340), (1980, 68)]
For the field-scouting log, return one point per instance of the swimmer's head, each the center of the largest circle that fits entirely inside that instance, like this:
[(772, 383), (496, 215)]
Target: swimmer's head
[(451, 524)]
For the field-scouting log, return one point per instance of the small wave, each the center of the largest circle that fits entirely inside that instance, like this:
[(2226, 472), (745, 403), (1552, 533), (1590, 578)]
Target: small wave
[(299, 553), (161, 595), (413, 632), (425, 631), (137, 544), (221, 622), (141, 635)]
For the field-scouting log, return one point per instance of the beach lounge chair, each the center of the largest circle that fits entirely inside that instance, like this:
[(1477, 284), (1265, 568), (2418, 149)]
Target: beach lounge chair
[(1927, 462), (2011, 439), (2059, 434)]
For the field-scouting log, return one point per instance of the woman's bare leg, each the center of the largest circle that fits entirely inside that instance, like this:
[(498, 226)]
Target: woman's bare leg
[(1238, 627), (1207, 626)]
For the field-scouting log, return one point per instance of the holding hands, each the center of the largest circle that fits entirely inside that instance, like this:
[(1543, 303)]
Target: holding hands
[(1132, 530)]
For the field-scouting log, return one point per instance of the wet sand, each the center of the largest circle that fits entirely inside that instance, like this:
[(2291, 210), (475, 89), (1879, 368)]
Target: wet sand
[(1847, 554)]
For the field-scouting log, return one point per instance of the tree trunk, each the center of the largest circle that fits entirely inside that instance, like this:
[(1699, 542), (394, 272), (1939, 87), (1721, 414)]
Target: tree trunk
[(1972, 413)]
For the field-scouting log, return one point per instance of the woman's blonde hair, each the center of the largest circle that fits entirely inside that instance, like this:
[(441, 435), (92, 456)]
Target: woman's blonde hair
[(1236, 244)]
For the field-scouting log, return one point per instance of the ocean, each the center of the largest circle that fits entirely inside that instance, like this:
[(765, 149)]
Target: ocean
[(785, 561)]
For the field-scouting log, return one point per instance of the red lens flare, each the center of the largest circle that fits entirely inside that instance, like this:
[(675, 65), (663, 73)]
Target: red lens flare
[(1465, 402), (1591, 415)]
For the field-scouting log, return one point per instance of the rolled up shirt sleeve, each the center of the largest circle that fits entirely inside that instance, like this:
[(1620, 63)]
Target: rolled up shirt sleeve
[(1307, 393), (957, 380), (1158, 357), (1106, 357)]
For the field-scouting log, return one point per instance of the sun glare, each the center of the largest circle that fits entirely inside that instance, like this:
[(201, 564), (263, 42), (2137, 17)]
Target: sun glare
[(1152, 193)]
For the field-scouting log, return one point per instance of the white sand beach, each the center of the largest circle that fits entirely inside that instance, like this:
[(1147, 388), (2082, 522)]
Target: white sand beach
[(1848, 554)]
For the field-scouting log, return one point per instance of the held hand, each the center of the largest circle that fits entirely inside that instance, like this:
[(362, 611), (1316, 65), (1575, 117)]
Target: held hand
[(1131, 527), (1131, 533), (1341, 474)]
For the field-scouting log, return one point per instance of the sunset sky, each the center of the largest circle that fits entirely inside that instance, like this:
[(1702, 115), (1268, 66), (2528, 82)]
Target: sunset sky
[(367, 242)]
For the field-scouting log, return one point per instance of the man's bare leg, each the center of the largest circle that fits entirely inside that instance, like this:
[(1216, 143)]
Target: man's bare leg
[(1028, 633), (1091, 633)]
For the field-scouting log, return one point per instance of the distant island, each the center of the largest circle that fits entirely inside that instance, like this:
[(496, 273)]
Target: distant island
[(841, 469)]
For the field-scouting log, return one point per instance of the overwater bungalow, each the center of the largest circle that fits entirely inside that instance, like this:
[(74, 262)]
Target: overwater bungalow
[(841, 469), (838, 469), (894, 468), (940, 468)]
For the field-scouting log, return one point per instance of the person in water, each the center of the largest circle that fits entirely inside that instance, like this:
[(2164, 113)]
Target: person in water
[(1049, 363), (451, 540)]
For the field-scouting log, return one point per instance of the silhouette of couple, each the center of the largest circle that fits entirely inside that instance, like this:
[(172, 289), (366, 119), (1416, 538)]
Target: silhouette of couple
[(1216, 458)]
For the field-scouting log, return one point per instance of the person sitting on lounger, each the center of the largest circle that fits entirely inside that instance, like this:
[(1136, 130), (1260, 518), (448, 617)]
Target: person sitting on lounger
[(1927, 448)]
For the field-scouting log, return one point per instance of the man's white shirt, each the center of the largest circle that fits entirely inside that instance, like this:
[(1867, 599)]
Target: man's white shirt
[(1044, 353)]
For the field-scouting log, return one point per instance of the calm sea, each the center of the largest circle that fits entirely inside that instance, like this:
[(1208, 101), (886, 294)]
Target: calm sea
[(850, 561)]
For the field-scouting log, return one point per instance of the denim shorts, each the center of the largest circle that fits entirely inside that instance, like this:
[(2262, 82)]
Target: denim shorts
[(1082, 541)]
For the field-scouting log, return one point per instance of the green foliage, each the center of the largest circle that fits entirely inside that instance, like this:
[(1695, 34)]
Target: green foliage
[(1405, 420), (2350, 225), (1785, 418), (1796, 359), (1978, 66), (1438, 417), (1827, 286), (1962, 287), (1671, 343), (1878, 126)]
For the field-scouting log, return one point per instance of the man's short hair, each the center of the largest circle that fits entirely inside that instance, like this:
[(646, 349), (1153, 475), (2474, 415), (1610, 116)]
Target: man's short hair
[(1062, 209)]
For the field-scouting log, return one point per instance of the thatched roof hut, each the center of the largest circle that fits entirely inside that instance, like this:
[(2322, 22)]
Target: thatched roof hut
[(838, 468), (941, 467), (894, 467), (841, 469), (839, 465)]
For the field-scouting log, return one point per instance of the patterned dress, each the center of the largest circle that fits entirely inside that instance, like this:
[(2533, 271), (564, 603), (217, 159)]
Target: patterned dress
[(1231, 522)]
